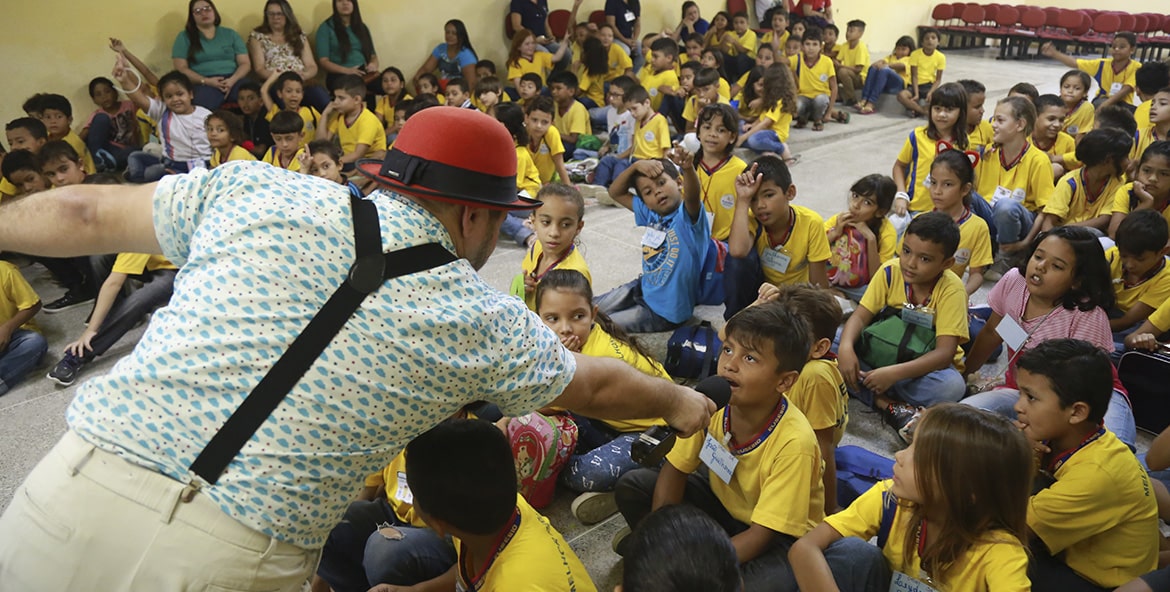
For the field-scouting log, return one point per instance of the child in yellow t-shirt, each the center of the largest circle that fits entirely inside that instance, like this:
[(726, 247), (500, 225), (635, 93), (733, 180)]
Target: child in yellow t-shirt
[(225, 132), (287, 130), (1159, 124), (394, 89), (852, 62), (706, 92), (776, 101), (816, 84), (1074, 91), (57, 115), (946, 128), (861, 239), (951, 182), (619, 61), (1015, 176), (290, 89), (1084, 197), (1149, 189), (959, 452), (1141, 277), (1114, 74), (462, 477), (523, 57), (23, 344), (557, 224), (651, 138), (1050, 139), (544, 140), (888, 76), (527, 175), (927, 64), (358, 130), (717, 166), (658, 77), (764, 464), (979, 132)]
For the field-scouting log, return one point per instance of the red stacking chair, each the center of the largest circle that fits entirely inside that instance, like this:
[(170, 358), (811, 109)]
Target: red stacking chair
[(968, 32), (1033, 21), (1127, 22), (1007, 18), (1105, 26), (558, 21), (941, 14), (734, 6), (597, 17)]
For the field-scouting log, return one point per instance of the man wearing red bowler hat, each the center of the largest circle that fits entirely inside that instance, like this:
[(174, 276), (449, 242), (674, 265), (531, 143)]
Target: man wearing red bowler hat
[(312, 334)]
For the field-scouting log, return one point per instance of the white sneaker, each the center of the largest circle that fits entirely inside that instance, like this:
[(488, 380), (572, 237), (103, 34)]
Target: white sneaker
[(593, 507)]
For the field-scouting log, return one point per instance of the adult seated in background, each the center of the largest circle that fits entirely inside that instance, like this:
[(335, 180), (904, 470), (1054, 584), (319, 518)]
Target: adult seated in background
[(214, 58), (345, 47), (815, 12), (690, 23), (279, 45), (533, 15), (625, 16), (763, 6), (454, 58), (262, 249)]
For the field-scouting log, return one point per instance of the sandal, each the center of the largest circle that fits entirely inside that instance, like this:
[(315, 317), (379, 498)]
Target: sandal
[(801, 124), (791, 160), (867, 110), (841, 117), (818, 126)]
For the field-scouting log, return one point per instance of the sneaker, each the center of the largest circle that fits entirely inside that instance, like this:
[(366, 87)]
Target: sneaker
[(906, 432), (997, 269), (65, 372), (104, 161), (70, 300), (898, 414), (619, 540), (593, 507)]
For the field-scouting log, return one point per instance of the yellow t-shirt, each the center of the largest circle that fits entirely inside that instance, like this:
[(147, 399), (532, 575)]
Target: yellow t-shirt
[(917, 154), (1109, 83), (146, 126), (928, 65), (691, 108), (718, 194), (1142, 140), (16, 295), (397, 490), (1029, 181), (573, 121), (813, 80), (384, 110), (619, 62), (236, 153), (854, 56), (1160, 318), (527, 175), (79, 145), (1082, 119), (273, 158), (820, 394), (724, 90), (651, 82), (1100, 513), (777, 483), (770, 35), (308, 115), (1071, 204), (948, 299), (1122, 199), (540, 64), (651, 140), (139, 263), (997, 563), (781, 120), (573, 261), (905, 73), (981, 138), (1142, 115), (602, 345), (887, 241), (1151, 292), (366, 129), (535, 557), (591, 86), (1063, 144), (787, 263), (974, 244), (550, 146), (749, 41)]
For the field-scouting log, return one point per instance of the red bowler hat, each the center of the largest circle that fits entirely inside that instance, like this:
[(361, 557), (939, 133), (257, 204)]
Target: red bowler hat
[(455, 155)]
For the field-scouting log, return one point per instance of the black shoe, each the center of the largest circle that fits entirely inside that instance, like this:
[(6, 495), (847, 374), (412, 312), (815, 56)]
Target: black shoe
[(70, 300), (897, 415), (65, 372)]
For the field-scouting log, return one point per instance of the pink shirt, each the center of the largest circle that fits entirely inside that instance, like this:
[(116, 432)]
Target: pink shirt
[(1010, 296)]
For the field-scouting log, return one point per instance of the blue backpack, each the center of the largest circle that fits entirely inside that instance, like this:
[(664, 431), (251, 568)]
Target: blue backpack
[(693, 352), (858, 470)]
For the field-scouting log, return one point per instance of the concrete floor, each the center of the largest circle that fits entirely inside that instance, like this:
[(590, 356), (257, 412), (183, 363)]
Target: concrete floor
[(32, 414)]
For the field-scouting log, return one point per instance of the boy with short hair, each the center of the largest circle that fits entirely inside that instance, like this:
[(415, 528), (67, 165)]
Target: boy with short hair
[(1048, 134), (57, 115), (428, 84), (358, 130), (816, 83), (979, 132), (1141, 277), (789, 245), (457, 94), (852, 61), (792, 49), (487, 94), (484, 68), (659, 77), (619, 121), (1150, 78), (1114, 74), (673, 246), (61, 164), (225, 135), (28, 134), (544, 140), (763, 485), (257, 137), (572, 118), (287, 130), (1096, 526), (927, 64), (462, 479), (290, 89), (706, 93), (739, 46), (322, 158), (529, 87), (920, 288), (21, 170), (1085, 197), (651, 138), (21, 344)]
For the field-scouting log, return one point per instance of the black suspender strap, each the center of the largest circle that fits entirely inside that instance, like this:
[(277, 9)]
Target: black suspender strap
[(371, 269)]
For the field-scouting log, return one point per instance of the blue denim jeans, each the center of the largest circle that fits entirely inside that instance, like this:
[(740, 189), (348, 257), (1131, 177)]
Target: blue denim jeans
[(858, 565), (1118, 417), (419, 555), (941, 386), (765, 141), (1013, 221), (145, 168), (100, 128), (212, 98), (25, 350), (981, 208), (600, 468), (609, 168), (879, 82), (625, 306), (513, 227)]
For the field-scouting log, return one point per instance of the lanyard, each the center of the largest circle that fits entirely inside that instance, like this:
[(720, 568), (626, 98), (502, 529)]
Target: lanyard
[(910, 295), (1059, 460), (787, 233), (711, 179), (476, 581), (1009, 166), (759, 438), (560, 260), (966, 216)]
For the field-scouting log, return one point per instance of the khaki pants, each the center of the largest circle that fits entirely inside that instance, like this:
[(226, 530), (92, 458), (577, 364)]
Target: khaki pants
[(85, 519), (851, 84)]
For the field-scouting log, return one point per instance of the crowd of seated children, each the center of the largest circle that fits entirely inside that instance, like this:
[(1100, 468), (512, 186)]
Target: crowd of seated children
[(1114, 74)]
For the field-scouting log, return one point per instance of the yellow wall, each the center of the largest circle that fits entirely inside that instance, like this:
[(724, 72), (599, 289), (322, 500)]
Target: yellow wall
[(41, 55)]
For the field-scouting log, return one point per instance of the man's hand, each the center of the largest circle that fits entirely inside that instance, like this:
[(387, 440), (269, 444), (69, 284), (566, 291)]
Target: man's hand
[(691, 411)]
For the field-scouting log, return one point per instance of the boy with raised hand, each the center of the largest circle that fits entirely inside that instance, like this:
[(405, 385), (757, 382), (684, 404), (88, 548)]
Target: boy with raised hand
[(1096, 526), (463, 480), (673, 247), (919, 287), (290, 89), (358, 130), (764, 480), (1114, 74)]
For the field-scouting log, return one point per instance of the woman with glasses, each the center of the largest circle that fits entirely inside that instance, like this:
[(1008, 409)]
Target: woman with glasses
[(279, 45), (214, 58)]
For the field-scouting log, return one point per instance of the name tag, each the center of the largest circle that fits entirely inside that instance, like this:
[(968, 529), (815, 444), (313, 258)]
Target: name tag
[(1072, 130), (904, 583), (1115, 88), (1001, 192), (923, 316), (653, 238), (727, 201), (710, 220), (403, 493), (718, 459), (630, 16), (963, 256), (1012, 333), (1020, 195), (776, 260), (652, 91)]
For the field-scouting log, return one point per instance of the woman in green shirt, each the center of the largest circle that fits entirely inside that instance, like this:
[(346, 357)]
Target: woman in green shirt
[(212, 57), (345, 47)]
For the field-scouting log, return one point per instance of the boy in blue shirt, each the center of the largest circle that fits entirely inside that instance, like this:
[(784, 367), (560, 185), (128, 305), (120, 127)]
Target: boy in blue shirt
[(673, 247)]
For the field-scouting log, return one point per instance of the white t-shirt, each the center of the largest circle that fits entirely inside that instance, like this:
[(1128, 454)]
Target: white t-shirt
[(183, 136), (621, 124)]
